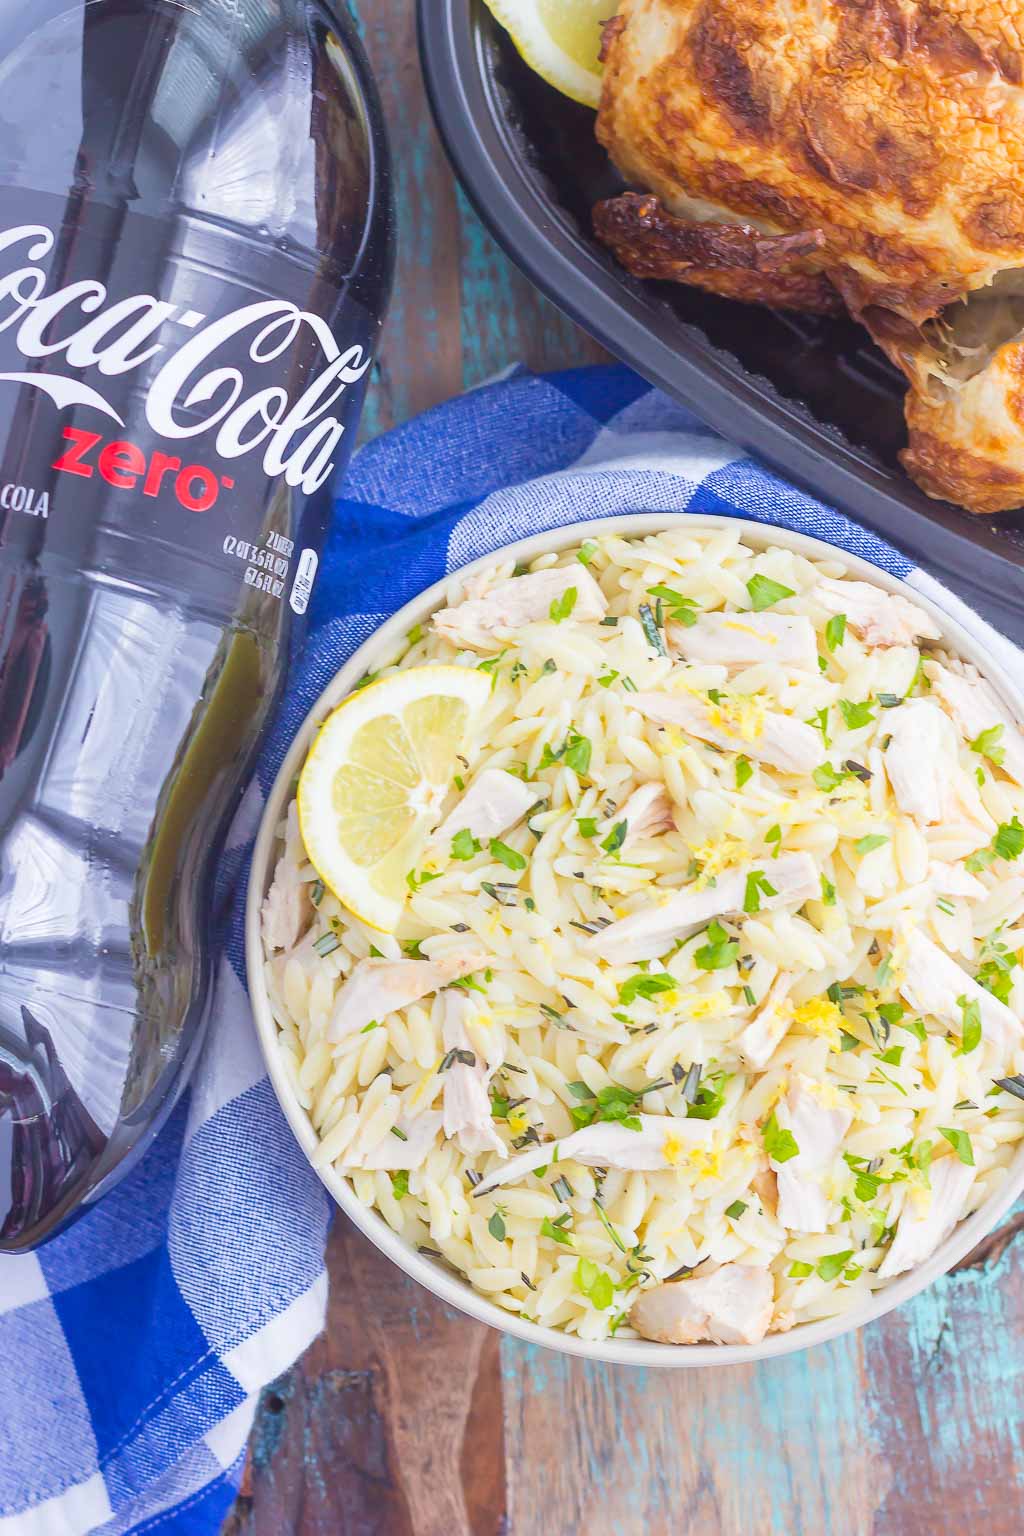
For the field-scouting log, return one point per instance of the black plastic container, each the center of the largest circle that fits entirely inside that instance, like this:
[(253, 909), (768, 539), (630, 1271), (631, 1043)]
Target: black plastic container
[(810, 395)]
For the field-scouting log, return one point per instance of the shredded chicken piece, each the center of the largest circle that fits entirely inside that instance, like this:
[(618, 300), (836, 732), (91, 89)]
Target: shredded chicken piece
[(736, 640), (818, 1132), (731, 1304), (776, 739), (467, 1104), (647, 934), (491, 805), (410, 1150), (975, 707), (879, 618), (379, 987), (921, 762), (287, 910), (928, 1216), (954, 880), (766, 1030), (661, 1142), (647, 812), (480, 621), (766, 1187), (932, 983)]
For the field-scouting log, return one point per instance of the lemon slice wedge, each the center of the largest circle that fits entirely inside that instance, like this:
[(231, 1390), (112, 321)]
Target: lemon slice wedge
[(375, 780), (560, 39)]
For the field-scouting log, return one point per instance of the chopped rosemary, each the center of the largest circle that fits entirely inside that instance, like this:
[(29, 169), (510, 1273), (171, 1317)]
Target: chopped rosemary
[(651, 630)]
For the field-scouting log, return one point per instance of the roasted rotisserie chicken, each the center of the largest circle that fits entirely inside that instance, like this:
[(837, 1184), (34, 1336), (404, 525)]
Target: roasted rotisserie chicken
[(815, 154)]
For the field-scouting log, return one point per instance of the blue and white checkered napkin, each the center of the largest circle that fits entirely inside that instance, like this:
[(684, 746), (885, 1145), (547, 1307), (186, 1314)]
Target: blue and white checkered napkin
[(133, 1347)]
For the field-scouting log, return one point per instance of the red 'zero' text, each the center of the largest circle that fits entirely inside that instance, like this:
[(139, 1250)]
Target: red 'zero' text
[(125, 466)]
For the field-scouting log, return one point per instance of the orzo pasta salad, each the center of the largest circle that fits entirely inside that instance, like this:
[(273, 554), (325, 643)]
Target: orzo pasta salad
[(644, 942)]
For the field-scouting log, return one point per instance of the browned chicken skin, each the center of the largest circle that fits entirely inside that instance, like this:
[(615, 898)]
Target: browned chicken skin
[(808, 153)]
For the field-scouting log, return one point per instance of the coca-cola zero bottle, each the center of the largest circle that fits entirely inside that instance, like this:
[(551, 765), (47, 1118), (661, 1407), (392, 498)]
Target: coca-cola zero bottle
[(195, 253)]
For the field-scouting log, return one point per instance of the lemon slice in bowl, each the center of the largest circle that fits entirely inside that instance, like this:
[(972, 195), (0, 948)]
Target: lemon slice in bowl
[(560, 39), (374, 782)]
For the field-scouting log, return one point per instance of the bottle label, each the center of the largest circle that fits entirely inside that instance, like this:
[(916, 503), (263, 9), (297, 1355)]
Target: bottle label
[(198, 412)]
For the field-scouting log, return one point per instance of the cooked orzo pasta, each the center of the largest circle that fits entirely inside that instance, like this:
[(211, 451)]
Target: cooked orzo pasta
[(700, 1012)]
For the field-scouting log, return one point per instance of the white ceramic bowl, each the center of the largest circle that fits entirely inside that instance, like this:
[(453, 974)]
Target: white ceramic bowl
[(436, 1277)]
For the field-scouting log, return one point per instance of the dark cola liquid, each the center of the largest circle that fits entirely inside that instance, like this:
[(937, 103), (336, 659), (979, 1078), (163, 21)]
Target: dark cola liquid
[(195, 253)]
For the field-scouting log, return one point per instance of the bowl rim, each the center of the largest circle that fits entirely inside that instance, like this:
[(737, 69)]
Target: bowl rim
[(446, 1284)]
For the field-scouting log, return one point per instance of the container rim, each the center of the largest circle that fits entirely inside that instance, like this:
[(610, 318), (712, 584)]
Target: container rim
[(456, 1292)]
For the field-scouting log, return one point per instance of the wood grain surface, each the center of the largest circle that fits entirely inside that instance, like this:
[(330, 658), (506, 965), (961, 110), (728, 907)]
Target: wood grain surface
[(406, 1419)]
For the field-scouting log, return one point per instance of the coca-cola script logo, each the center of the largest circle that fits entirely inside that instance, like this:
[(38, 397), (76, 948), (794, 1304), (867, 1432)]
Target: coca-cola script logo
[(298, 438)]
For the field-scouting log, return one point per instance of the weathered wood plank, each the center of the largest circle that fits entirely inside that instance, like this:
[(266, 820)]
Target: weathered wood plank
[(912, 1427), (947, 1400), (505, 318), (392, 1423), (770, 1450), (420, 361)]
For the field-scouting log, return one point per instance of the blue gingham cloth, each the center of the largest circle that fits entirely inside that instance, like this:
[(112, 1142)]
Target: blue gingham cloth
[(133, 1347)]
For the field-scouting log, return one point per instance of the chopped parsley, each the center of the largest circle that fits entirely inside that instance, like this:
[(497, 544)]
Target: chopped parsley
[(820, 721), (986, 744), (575, 753), (1008, 844), (464, 844), (616, 837), (680, 608), (587, 826), (414, 881), (833, 1264), (710, 1097), (648, 986), (971, 1028), (855, 715), (871, 842), (735, 1211), (744, 771), (961, 1144), (400, 1184), (764, 592), (828, 892), (828, 778), (496, 1225), (799, 1270), (779, 1143), (595, 1284), (835, 631), (562, 607), (995, 973), (556, 1229), (506, 855), (756, 886), (719, 952)]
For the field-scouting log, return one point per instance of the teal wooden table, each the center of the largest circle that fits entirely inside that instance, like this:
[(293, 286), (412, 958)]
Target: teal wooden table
[(407, 1419)]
